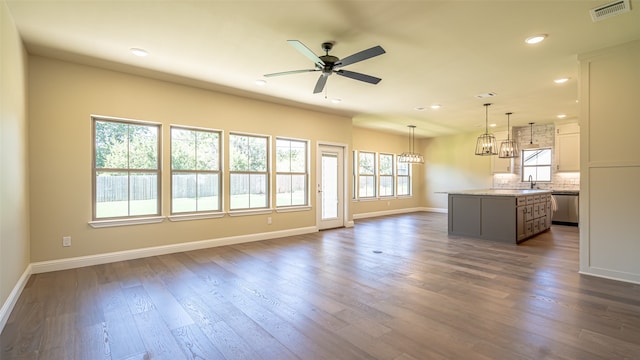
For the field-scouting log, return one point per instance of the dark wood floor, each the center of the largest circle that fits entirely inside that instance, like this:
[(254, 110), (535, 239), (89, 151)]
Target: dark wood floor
[(390, 288)]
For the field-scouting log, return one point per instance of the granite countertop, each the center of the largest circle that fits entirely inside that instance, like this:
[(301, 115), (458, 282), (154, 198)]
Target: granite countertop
[(501, 192)]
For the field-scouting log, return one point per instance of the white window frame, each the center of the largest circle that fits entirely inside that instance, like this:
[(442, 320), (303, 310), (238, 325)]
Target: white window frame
[(291, 174), (249, 173), (371, 176), (196, 171), (126, 219), (536, 166), (401, 176), (382, 175)]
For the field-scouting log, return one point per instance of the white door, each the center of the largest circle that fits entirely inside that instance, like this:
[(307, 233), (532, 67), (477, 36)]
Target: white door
[(330, 187)]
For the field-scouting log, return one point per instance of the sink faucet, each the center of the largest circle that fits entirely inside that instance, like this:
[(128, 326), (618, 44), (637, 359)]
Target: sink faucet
[(531, 181)]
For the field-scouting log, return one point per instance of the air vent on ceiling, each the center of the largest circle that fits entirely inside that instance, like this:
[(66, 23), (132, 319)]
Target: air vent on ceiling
[(486, 95), (610, 9)]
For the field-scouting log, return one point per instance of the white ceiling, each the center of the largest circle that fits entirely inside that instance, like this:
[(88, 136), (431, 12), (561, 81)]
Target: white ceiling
[(437, 52)]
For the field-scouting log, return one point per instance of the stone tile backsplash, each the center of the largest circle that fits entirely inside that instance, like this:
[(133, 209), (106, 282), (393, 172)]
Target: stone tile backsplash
[(544, 135)]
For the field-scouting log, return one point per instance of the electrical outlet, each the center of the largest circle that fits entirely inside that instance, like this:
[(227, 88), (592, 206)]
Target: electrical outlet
[(269, 220), (66, 241)]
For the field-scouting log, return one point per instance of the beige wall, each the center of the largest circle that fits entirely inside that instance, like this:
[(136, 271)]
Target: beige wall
[(63, 95), (610, 163), (451, 164), (381, 142), (14, 175)]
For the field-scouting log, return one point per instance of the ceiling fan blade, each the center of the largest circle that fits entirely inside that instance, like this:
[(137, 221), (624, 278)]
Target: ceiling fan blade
[(306, 52), (358, 76), (320, 84), (290, 72), (362, 55)]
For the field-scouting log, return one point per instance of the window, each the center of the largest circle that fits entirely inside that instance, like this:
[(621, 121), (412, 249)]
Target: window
[(404, 179), (537, 164), (195, 170), (248, 185), (291, 172), (366, 174), (126, 171), (386, 175)]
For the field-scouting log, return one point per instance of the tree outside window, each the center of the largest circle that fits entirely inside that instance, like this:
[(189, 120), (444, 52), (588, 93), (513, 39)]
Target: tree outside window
[(126, 170), (291, 172), (248, 186), (404, 179), (366, 174), (386, 175), (195, 170)]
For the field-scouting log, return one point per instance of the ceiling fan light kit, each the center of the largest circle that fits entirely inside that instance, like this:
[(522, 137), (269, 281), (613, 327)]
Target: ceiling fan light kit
[(411, 157), (329, 64), (486, 143)]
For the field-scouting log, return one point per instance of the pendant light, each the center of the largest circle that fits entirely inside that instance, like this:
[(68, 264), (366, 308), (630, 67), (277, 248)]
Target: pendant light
[(531, 145), (509, 147), (411, 157), (486, 144)]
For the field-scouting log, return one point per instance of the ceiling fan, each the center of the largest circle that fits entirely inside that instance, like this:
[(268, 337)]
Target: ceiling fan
[(330, 64)]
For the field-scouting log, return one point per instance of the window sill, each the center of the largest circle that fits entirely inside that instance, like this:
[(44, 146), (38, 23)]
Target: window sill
[(249, 212), (97, 224), (293, 209), (187, 217)]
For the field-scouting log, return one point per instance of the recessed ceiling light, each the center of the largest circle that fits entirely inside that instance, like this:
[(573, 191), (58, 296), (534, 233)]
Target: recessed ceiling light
[(436, 106), (562, 116), (261, 82), (492, 125), (561, 80), (336, 101), (139, 52), (419, 108), (535, 39)]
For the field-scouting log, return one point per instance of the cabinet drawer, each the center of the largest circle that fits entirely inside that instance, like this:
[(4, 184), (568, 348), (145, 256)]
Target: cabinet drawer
[(521, 201), (536, 198), (530, 200)]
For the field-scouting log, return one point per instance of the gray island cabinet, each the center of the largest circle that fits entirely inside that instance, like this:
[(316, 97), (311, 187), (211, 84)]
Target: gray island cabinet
[(500, 215)]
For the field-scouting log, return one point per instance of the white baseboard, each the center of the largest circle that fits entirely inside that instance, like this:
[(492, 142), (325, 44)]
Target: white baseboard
[(8, 305), (612, 275), (387, 212), (76, 262), (437, 210)]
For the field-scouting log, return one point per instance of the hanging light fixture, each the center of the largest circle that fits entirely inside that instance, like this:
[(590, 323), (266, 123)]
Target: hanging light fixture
[(411, 157), (509, 147), (486, 144), (531, 145)]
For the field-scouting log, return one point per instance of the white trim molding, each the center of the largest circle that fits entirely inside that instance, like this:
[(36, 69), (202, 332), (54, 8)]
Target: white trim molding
[(396, 212), (76, 262), (12, 299)]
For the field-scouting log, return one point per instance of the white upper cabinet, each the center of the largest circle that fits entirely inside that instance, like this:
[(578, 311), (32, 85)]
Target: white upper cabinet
[(567, 151), (499, 165)]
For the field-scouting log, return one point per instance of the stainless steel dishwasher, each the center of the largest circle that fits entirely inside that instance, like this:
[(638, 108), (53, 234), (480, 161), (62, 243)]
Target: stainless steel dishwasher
[(567, 208)]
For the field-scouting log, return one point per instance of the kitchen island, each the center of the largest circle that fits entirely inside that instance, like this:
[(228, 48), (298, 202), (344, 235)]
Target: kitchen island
[(500, 215)]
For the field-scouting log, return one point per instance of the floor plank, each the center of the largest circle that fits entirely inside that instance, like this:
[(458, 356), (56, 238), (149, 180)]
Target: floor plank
[(396, 287)]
